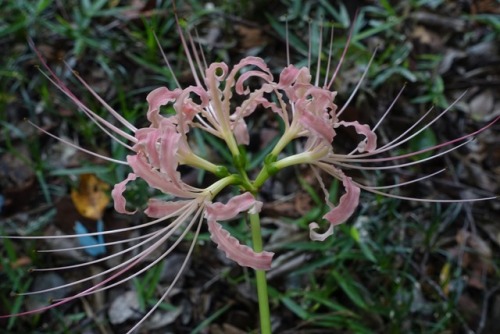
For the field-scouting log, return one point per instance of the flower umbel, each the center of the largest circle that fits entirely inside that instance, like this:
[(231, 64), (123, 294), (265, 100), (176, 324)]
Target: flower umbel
[(219, 103)]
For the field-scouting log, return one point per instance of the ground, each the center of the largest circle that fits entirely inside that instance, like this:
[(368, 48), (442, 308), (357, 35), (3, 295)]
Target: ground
[(395, 266)]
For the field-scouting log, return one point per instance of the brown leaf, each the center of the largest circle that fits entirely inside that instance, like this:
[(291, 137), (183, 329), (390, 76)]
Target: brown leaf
[(90, 198), (475, 242), (250, 37), (479, 255), (427, 37), (485, 6), (17, 179)]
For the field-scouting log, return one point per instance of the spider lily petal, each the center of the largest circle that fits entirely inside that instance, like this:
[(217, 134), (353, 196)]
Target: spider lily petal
[(340, 213), (158, 208), (117, 194), (241, 254), (157, 98), (347, 203), (155, 178), (370, 144), (237, 204)]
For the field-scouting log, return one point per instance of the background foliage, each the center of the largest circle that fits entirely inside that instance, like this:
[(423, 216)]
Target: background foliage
[(396, 266)]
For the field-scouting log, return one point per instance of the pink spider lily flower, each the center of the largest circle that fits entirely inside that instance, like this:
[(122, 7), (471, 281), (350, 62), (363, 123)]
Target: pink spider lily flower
[(157, 152), (315, 117), (310, 117)]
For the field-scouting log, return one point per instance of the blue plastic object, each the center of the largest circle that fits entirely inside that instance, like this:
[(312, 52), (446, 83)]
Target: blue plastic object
[(94, 245)]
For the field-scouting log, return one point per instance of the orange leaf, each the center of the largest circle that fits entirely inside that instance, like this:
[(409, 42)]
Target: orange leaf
[(90, 199)]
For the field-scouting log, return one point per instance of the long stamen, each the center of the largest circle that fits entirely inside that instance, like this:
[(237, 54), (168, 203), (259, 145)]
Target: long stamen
[(344, 52), (98, 120), (450, 142), (381, 119), (200, 51), (186, 51), (176, 213), (397, 157), (395, 143), (360, 81), (310, 44), (105, 244), (389, 109), (92, 289), (318, 65), (165, 59), (113, 112), (287, 42), (329, 58), (172, 227), (425, 200), (149, 250), (397, 185), (77, 147), (174, 281), (196, 55), (62, 87)]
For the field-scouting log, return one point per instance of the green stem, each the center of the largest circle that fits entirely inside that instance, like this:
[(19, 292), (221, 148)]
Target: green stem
[(261, 178), (265, 317)]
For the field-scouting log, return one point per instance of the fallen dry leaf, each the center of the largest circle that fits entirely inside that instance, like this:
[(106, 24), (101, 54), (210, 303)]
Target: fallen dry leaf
[(477, 257), (250, 37), (485, 6), (17, 179), (90, 199), (482, 106)]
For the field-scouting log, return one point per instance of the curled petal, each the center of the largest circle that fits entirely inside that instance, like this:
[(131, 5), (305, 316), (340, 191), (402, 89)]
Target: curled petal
[(157, 98), (314, 109), (237, 204), (217, 71), (319, 236), (262, 72), (255, 99), (159, 209), (255, 208), (318, 125), (339, 214), (241, 254), (295, 82), (371, 138), (322, 100), (347, 204), (239, 84), (147, 138), (186, 108), (154, 178), (288, 76), (117, 194), (292, 75), (241, 132), (168, 154)]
